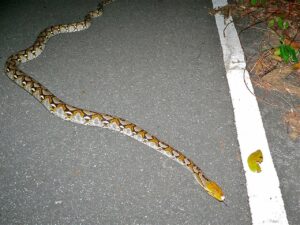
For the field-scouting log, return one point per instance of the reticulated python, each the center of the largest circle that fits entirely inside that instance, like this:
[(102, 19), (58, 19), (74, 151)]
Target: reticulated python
[(86, 117)]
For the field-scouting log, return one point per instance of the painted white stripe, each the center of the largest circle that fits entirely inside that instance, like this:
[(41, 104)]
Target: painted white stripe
[(265, 198)]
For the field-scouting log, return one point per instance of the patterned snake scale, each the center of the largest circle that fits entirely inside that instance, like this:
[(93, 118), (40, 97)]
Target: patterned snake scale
[(86, 117)]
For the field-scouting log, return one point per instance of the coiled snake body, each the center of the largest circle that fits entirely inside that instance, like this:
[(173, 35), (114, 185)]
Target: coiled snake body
[(87, 117)]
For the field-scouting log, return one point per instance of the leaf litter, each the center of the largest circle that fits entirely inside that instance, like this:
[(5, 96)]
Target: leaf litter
[(275, 67)]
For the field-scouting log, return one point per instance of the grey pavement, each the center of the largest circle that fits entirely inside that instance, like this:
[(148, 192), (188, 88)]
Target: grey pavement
[(156, 63)]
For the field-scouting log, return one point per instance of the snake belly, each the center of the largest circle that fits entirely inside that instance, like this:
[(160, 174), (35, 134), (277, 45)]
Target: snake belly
[(86, 117)]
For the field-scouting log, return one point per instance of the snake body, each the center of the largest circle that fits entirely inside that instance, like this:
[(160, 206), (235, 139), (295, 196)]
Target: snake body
[(86, 117)]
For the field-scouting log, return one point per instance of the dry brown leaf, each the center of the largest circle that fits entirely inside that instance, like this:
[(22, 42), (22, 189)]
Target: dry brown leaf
[(276, 78), (296, 66), (292, 119), (293, 44)]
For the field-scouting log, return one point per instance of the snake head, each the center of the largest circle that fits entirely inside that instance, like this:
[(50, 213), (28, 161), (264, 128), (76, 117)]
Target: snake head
[(214, 190), (210, 187)]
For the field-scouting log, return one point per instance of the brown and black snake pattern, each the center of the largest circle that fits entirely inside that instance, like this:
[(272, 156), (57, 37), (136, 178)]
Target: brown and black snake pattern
[(87, 117)]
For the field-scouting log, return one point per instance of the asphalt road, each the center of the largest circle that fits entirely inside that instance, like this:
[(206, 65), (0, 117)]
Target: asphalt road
[(156, 63)]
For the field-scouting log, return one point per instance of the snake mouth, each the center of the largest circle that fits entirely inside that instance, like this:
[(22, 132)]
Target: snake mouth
[(222, 198), (216, 196)]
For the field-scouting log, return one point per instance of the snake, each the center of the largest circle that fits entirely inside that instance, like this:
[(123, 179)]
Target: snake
[(87, 117)]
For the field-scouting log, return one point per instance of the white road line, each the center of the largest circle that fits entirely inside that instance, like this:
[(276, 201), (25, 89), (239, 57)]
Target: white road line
[(265, 198)]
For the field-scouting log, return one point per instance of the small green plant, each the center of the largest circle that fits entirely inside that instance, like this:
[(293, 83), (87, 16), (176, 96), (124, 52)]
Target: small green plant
[(282, 24), (257, 2), (287, 53)]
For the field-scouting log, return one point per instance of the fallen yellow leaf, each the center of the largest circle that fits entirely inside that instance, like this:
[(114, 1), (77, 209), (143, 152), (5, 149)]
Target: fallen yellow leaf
[(254, 160)]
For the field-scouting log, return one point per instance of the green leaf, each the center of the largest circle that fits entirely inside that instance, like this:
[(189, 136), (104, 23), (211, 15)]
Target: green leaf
[(271, 23), (253, 2), (280, 23), (284, 53), (288, 53), (277, 52), (285, 25), (292, 54)]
